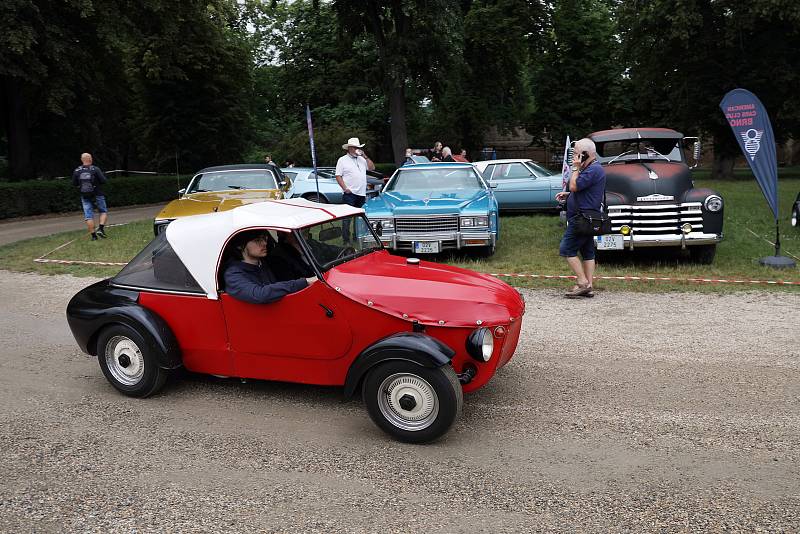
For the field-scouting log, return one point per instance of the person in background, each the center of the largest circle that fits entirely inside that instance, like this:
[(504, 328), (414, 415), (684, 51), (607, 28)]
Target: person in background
[(447, 154), (249, 279), (408, 158), (268, 160), (436, 152), (89, 180), (351, 174), (462, 156), (586, 186)]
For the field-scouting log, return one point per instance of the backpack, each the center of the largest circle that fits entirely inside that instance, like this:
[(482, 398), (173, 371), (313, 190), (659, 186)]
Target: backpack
[(86, 183)]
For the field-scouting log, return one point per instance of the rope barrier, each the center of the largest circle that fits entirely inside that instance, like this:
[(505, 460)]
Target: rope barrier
[(653, 279)]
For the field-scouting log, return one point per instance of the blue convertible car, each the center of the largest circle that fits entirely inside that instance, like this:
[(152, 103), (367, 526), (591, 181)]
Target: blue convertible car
[(431, 207)]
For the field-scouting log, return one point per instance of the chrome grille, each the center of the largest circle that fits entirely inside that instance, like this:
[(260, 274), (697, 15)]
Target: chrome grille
[(423, 225), (657, 219)]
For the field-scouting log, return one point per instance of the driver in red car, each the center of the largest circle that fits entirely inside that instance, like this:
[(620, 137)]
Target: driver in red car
[(250, 279)]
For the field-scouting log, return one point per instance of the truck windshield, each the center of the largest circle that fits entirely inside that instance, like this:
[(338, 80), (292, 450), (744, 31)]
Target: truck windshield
[(641, 150)]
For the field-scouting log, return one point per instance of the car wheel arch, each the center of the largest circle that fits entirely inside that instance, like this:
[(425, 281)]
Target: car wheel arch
[(415, 347), (143, 321)]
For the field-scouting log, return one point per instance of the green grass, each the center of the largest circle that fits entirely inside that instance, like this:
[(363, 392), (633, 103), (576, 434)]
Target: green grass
[(528, 244)]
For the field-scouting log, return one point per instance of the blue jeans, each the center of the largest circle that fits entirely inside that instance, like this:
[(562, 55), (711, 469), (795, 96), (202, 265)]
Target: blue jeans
[(89, 204), (357, 201), (572, 243)]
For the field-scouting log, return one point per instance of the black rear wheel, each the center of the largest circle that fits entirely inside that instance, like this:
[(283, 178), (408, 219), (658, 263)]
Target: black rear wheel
[(127, 359), (412, 403), (313, 197)]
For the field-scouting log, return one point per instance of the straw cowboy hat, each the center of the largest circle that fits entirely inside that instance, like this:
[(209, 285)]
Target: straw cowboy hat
[(353, 141)]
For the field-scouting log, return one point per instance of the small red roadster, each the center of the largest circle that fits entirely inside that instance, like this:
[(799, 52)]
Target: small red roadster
[(412, 335)]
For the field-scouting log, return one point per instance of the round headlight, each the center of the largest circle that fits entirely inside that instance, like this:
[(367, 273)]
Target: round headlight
[(480, 344), (713, 203), (686, 228)]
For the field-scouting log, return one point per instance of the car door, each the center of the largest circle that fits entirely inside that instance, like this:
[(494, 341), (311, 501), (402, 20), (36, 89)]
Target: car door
[(294, 339), (517, 187)]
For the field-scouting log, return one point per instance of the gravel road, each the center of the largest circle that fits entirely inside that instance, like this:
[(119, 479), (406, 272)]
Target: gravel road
[(669, 413)]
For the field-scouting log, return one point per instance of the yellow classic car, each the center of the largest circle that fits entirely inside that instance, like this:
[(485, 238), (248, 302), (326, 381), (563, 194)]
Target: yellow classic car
[(223, 188)]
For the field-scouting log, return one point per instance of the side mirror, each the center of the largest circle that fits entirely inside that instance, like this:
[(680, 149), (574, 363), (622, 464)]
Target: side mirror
[(181, 192), (697, 149)]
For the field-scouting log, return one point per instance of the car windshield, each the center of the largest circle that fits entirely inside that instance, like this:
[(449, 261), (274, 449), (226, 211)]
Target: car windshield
[(447, 180), (230, 180), (538, 170), (640, 149), (337, 241)]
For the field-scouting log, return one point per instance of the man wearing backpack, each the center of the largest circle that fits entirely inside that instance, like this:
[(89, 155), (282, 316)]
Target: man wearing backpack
[(89, 179)]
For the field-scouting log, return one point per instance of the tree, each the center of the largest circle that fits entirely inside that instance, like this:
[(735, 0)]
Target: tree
[(684, 56), (412, 38), (577, 75)]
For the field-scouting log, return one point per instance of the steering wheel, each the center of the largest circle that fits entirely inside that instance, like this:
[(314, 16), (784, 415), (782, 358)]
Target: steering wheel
[(346, 251)]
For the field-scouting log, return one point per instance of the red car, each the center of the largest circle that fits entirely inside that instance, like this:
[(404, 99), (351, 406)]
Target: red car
[(411, 335)]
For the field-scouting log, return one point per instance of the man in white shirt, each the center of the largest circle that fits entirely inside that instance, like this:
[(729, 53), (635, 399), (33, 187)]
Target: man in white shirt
[(351, 173)]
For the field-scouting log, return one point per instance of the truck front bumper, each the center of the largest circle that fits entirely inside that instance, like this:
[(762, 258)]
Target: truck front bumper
[(446, 241)]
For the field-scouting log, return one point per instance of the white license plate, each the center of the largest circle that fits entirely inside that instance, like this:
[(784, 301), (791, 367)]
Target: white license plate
[(609, 242), (426, 247)]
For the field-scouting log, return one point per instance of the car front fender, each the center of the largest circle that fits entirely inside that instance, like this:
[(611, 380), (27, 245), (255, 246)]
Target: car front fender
[(414, 347)]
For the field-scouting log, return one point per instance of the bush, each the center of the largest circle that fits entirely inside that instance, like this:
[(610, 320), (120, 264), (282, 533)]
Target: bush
[(385, 168), (35, 197)]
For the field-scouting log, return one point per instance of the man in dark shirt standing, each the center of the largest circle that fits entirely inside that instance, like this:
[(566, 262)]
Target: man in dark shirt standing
[(89, 180), (587, 185)]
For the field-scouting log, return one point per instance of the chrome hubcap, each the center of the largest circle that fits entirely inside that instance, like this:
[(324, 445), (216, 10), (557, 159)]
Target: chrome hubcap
[(124, 360), (408, 401)]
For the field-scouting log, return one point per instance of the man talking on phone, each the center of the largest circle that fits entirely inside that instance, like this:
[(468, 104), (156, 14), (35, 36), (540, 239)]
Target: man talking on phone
[(585, 190), (351, 174)]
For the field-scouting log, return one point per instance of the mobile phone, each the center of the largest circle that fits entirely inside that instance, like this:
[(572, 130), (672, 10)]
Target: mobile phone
[(359, 152), (584, 156)]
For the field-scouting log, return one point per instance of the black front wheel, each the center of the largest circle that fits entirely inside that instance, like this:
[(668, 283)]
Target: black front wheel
[(127, 359), (412, 403), (703, 254), (316, 198)]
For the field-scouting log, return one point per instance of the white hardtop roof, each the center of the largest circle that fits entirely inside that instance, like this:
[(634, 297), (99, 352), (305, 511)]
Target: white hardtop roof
[(482, 164), (198, 240)]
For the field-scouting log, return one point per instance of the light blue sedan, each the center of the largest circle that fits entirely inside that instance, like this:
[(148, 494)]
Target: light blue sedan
[(521, 184), (431, 207), (304, 185)]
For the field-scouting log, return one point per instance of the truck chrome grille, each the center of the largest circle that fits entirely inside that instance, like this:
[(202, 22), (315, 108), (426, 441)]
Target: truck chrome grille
[(657, 219), (423, 225)]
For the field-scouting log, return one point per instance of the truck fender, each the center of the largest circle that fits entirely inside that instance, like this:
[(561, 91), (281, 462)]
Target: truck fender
[(414, 347)]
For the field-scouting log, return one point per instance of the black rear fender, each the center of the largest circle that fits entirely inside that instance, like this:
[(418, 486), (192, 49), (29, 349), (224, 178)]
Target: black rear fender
[(101, 305), (413, 347)]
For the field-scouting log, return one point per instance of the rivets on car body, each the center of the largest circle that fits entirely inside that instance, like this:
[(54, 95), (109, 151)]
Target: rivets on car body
[(441, 323), (479, 322), (405, 316), (511, 319), (369, 303), (337, 288)]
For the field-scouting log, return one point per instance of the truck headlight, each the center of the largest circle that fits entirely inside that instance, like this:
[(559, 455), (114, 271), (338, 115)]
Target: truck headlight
[(480, 344), (474, 222), (713, 203)]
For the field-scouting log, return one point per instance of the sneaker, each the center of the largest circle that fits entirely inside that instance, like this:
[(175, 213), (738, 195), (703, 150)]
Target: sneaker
[(102, 233), (94, 237), (579, 291)]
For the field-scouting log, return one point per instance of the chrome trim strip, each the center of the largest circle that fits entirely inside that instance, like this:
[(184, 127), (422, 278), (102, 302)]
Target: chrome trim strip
[(153, 290)]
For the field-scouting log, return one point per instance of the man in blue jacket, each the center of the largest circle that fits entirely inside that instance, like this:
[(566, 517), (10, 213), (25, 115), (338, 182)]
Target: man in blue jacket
[(250, 280), (587, 185)]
